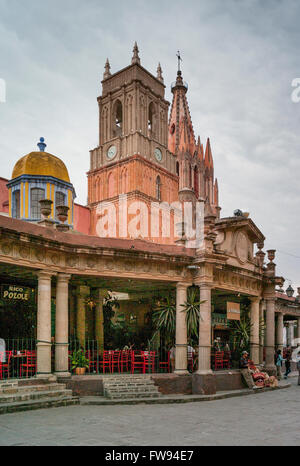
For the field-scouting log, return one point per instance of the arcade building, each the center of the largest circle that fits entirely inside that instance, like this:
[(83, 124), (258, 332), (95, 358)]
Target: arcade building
[(59, 260)]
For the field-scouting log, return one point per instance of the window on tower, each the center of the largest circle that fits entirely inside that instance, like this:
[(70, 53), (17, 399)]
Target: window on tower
[(60, 199), (36, 195), (16, 204), (151, 120), (117, 118), (158, 188)]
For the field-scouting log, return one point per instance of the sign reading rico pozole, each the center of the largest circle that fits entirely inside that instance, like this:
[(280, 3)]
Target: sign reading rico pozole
[(15, 293)]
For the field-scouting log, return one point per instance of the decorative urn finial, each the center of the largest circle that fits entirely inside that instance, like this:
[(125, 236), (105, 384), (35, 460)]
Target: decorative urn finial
[(107, 72), (41, 145), (135, 58), (159, 74)]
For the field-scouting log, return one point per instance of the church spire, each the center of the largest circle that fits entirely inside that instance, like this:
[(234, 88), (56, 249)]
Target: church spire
[(135, 58), (159, 74), (180, 117), (107, 72)]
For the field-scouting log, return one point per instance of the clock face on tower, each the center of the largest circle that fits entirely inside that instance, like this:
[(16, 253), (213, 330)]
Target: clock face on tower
[(158, 155), (111, 152)]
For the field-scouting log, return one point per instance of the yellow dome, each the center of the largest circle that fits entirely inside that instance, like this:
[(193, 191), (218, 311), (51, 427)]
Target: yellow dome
[(43, 164)]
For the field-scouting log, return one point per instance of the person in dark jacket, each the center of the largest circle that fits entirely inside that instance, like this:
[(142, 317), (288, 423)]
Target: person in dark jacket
[(288, 363)]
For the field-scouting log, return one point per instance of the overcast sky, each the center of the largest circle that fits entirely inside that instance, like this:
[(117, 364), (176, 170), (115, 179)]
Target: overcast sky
[(239, 59)]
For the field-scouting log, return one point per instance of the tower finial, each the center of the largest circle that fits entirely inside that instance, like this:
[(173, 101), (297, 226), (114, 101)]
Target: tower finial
[(41, 145), (135, 58), (107, 72), (159, 74), (179, 60)]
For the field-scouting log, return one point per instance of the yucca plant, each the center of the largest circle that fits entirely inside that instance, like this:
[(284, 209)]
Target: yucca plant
[(164, 316), (193, 314)]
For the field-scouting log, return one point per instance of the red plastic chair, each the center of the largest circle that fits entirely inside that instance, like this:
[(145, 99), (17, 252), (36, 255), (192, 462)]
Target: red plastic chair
[(124, 360), (106, 361), (92, 357), (137, 362), (115, 360), (165, 365), (149, 361), (5, 366), (30, 366), (219, 358), (226, 360)]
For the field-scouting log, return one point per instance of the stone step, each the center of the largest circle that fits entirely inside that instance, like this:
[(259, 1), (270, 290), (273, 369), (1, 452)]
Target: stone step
[(42, 403), (125, 384), (34, 395), (31, 388), (121, 396), (150, 388)]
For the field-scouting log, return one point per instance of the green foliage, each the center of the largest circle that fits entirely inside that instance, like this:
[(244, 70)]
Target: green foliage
[(164, 315), (78, 359), (193, 315), (241, 330)]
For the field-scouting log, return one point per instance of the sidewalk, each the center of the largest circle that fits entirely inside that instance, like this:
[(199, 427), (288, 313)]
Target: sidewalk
[(169, 399)]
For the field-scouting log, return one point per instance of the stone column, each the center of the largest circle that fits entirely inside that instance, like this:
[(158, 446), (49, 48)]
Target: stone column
[(62, 326), (99, 319), (181, 330), (254, 332), (290, 334), (204, 363), (82, 294), (262, 331), (279, 332), (44, 325), (72, 312), (270, 335)]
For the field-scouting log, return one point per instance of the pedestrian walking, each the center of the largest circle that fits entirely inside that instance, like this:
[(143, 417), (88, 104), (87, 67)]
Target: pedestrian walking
[(288, 363), (278, 363)]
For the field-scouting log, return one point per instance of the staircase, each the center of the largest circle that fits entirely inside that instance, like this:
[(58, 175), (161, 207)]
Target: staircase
[(24, 395), (118, 387)]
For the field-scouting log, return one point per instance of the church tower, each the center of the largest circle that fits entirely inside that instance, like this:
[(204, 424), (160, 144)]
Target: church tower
[(194, 167), (133, 157)]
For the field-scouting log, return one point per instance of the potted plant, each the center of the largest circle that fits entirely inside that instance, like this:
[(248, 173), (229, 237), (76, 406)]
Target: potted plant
[(79, 362)]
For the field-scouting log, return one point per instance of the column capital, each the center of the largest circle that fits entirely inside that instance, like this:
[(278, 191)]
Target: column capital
[(63, 277), (255, 299), (183, 285), (208, 285), (45, 274)]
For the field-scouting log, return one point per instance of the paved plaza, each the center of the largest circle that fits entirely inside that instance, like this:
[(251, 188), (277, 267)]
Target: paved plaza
[(271, 418)]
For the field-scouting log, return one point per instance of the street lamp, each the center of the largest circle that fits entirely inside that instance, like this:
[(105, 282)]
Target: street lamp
[(290, 291)]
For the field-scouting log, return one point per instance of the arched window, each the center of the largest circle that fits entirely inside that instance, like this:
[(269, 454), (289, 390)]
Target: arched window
[(117, 123), (151, 120), (196, 182), (158, 188), (36, 195), (16, 204), (60, 199)]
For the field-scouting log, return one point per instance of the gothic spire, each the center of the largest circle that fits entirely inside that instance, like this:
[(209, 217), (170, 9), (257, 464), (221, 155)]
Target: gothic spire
[(135, 58), (159, 74), (180, 117), (107, 72)]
